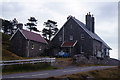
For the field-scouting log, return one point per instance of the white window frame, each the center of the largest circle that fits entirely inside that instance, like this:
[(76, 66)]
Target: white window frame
[(107, 52), (40, 48), (32, 46), (71, 37), (82, 36)]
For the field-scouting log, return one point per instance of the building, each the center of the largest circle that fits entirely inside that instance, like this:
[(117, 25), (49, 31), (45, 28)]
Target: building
[(27, 44), (75, 37)]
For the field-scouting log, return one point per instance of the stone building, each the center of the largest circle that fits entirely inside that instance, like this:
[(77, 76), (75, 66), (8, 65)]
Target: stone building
[(27, 44), (75, 37)]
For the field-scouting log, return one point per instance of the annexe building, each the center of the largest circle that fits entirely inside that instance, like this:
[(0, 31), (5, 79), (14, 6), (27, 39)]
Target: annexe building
[(75, 37), (27, 44)]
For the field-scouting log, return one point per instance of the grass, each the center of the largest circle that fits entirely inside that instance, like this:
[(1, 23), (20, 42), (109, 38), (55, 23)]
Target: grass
[(27, 68), (104, 74), (64, 61), (6, 53)]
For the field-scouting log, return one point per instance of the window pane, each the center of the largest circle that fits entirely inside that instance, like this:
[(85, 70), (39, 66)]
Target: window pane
[(32, 46), (71, 37)]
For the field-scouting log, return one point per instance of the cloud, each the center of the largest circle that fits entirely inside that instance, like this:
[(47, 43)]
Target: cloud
[(105, 14)]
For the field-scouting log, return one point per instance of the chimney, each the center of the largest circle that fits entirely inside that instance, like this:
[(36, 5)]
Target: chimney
[(90, 22), (20, 26), (93, 24)]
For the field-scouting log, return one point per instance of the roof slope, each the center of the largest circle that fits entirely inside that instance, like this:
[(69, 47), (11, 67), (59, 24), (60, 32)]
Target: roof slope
[(83, 26), (68, 43), (93, 35), (31, 36)]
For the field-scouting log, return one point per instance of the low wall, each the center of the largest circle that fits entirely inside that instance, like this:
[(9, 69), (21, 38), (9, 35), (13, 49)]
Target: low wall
[(81, 59)]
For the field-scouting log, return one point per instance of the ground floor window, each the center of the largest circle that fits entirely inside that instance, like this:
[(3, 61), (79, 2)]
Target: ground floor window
[(32, 46), (40, 48), (81, 49), (107, 52)]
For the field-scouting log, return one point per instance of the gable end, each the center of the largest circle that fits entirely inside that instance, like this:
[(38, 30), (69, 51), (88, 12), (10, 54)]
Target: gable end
[(16, 32)]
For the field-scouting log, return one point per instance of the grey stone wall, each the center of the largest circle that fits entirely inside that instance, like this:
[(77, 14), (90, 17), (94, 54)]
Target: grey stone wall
[(76, 31), (36, 51), (81, 60), (18, 44), (23, 47)]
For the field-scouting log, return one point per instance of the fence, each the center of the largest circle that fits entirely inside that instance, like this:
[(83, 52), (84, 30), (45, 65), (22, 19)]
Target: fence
[(26, 61)]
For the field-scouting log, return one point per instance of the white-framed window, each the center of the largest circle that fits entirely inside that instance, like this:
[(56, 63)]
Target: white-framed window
[(81, 49), (102, 50), (71, 37), (60, 38), (40, 48), (32, 46), (82, 36), (107, 52)]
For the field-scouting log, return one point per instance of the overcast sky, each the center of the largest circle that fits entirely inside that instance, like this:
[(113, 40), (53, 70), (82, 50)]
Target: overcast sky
[(105, 13)]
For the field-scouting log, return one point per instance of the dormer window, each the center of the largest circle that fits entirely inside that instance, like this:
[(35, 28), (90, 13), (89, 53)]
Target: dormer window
[(32, 46), (71, 37)]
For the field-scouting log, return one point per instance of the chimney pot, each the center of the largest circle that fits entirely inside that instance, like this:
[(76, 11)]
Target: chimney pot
[(20, 26), (89, 13), (90, 22)]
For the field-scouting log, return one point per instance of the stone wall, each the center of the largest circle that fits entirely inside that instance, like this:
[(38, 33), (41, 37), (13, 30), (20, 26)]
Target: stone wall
[(91, 60)]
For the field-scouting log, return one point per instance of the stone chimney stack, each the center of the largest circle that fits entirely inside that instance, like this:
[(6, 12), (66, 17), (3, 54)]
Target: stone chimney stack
[(20, 26), (93, 24), (90, 22)]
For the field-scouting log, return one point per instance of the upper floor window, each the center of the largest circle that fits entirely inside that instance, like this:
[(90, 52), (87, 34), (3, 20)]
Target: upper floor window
[(32, 46), (82, 36), (71, 37), (60, 38)]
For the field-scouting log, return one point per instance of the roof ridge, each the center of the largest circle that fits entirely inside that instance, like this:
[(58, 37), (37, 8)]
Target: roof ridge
[(93, 35), (31, 32)]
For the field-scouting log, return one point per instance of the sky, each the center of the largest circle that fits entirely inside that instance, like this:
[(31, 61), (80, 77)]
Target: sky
[(105, 13)]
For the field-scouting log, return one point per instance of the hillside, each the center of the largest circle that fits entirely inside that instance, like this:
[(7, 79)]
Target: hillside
[(6, 53)]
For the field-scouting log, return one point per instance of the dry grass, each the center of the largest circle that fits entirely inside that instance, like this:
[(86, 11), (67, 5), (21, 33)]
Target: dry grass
[(64, 61), (104, 74), (6, 53)]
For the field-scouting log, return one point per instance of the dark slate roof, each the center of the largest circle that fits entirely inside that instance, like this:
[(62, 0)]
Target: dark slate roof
[(93, 35), (33, 36), (68, 44)]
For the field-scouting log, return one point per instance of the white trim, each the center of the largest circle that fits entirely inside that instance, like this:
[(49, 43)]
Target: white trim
[(16, 32), (63, 34), (69, 46), (75, 43), (28, 48), (62, 43), (40, 47), (13, 34), (61, 28), (71, 37), (83, 28)]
